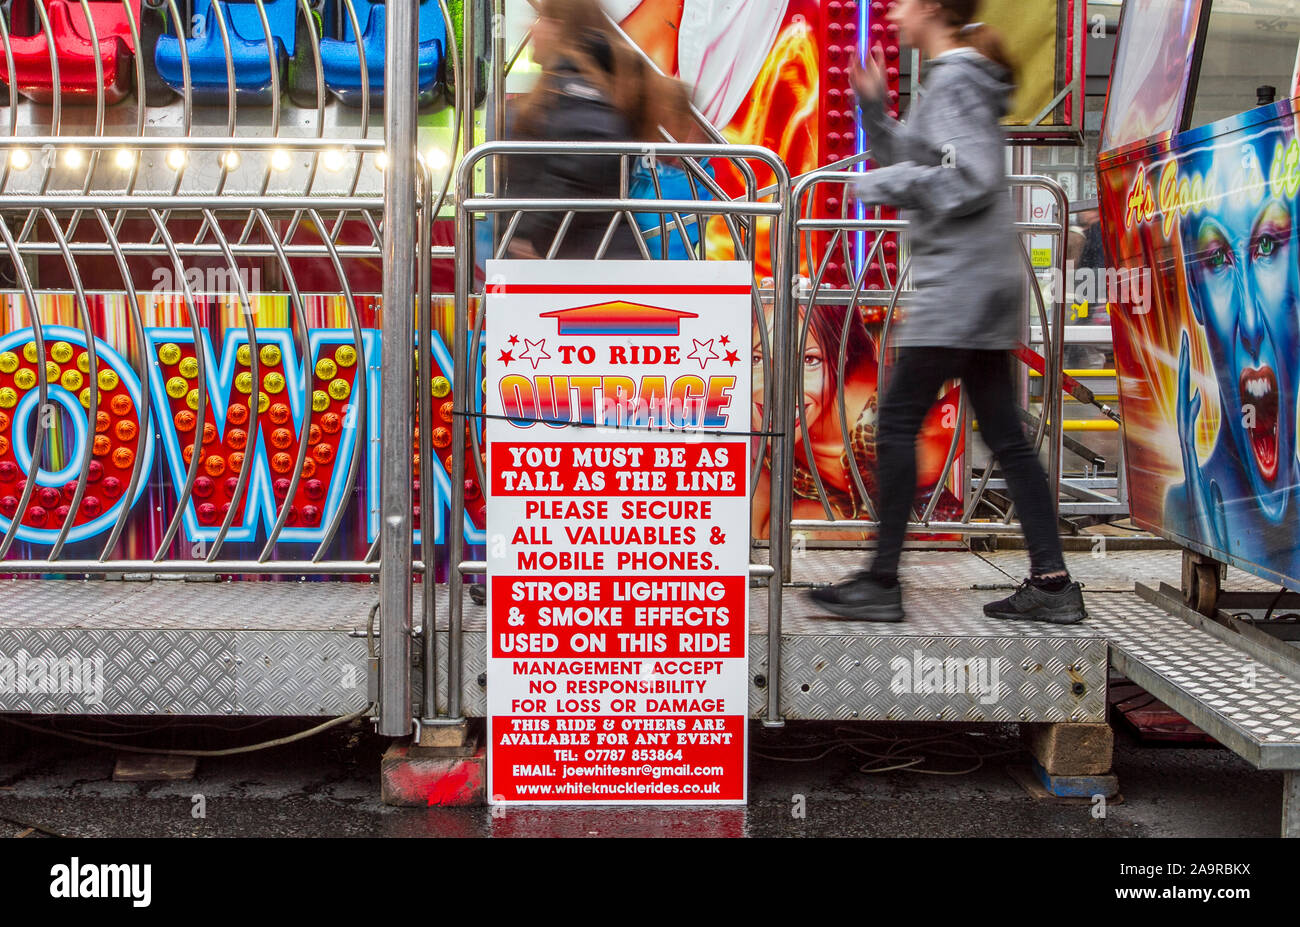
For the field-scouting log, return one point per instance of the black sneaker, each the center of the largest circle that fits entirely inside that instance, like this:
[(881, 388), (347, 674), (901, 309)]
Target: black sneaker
[(861, 598), (1032, 602)]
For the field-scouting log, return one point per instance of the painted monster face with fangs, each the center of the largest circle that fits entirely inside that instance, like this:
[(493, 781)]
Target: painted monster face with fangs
[(1241, 255)]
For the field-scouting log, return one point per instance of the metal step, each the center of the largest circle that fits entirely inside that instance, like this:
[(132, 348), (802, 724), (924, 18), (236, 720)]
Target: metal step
[(1231, 694), (1242, 693)]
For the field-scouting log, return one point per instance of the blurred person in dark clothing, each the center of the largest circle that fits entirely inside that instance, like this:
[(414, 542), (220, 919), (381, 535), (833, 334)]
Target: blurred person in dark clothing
[(1093, 255), (593, 88)]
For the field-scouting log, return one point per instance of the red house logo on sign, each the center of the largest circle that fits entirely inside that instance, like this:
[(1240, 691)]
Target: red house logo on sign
[(619, 318)]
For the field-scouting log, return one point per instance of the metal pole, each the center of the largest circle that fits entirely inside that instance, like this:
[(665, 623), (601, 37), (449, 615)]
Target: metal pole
[(1055, 383), (460, 366), (464, 379), (786, 367), (398, 307), (498, 76), (497, 101), (1021, 165), (424, 383), (469, 72)]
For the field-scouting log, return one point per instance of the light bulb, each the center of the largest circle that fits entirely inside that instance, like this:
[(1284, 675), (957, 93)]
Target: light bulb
[(124, 158), (280, 160), (20, 159), (230, 160), (74, 157), (333, 160), (176, 159)]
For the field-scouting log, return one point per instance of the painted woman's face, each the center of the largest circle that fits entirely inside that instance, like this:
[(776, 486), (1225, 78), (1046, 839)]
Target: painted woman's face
[(1242, 278), (815, 380)]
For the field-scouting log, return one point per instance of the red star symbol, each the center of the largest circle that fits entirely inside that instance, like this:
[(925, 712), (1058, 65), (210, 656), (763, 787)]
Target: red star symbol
[(724, 341), (505, 358), (732, 358), (514, 339)]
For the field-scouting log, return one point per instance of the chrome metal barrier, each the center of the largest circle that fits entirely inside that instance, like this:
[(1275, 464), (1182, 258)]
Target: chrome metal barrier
[(818, 242), (137, 141), (743, 221), (162, 228)]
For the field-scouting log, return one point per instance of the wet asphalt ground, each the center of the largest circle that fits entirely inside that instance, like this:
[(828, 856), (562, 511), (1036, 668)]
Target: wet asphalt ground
[(810, 779)]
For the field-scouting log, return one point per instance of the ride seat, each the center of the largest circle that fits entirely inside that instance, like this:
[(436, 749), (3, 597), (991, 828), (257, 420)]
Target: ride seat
[(76, 56), (341, 57), (252, 64)]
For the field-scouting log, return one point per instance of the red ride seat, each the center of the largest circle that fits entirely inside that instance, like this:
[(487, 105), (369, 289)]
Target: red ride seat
[(76, 55)]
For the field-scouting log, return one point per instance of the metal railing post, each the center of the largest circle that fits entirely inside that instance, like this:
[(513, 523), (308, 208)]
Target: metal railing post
[(424, 405), (786, 368), (464, 383), (395, 525), (1056, 366), (1052, 322)]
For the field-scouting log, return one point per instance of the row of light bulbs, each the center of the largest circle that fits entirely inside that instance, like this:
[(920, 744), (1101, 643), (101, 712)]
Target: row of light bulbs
[(332, 159)]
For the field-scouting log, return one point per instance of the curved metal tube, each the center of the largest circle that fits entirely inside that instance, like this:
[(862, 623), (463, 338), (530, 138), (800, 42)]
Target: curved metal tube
[(200, 419), (56, 112), (93, 159), (254, 396), (42, 383), (355, 318), (300, 316), (11, 72), (92, 375), (146, 394)]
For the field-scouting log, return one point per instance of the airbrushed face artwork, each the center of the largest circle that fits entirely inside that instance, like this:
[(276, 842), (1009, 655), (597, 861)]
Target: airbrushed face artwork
[(1244, 290), (1209, 369)]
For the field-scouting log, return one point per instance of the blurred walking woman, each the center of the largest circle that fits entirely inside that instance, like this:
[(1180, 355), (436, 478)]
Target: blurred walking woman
[(593, 88), (946, 166)]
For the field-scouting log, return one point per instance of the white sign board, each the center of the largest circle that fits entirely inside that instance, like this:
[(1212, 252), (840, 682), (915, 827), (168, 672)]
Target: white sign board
[(618, 419)]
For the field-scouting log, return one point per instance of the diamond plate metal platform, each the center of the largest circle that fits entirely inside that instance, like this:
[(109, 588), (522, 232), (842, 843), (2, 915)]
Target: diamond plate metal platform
[(275, 648)]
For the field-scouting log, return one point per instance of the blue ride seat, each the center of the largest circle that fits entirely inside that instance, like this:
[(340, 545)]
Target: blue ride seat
[(341, 57), (248, 50)]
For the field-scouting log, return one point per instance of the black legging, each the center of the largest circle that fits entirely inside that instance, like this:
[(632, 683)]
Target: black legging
[(986, 377)]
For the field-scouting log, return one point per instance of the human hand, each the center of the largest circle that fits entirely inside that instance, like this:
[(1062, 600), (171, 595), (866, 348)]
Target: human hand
[(868, 80)]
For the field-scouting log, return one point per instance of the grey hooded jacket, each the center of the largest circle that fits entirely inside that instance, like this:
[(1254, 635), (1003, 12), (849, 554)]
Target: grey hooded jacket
[(946, 168)]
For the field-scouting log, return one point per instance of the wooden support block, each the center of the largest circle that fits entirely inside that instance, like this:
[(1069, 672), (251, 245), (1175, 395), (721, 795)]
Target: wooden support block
[(453, 735), (411, 781), (1070, 749), (1088, 787)]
